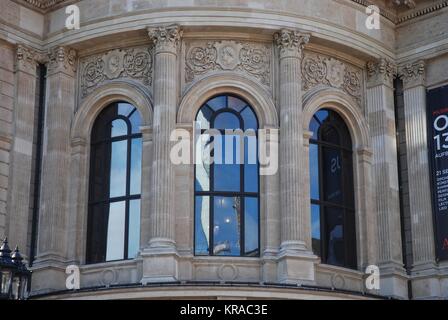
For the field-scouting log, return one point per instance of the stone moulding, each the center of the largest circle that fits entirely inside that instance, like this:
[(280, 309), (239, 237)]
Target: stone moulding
[(130, 63), (252, 59), (318, 69)]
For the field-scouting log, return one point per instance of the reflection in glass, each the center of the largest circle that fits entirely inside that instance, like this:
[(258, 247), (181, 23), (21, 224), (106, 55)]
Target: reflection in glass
[(227, 226), (227, 180), (115, 185), (118, 168), (202, 225), (251, 227), (315, 229), (134, 228), (331, 190), (115, 231), (119, 128), (136, 166)]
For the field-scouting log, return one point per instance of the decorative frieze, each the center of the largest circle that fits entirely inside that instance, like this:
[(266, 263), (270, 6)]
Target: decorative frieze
[(253, 59), (382, 71), (318, 69), (412, 74), (133, 63)]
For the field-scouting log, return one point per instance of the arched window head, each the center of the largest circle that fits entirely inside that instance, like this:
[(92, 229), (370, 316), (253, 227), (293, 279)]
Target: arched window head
[(115, 185), (227, 179), (332, 191)]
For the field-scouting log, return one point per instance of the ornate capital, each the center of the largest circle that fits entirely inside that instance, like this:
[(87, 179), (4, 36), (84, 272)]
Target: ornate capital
[(413, 74), (27, 59), (166, 39), (380, 72), (62, 59), (291, 42)]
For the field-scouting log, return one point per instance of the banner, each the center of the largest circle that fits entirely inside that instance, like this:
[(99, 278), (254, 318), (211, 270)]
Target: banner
[(438, 157)]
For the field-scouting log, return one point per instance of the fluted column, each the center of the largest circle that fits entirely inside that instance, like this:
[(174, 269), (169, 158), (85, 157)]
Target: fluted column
[(160, 256), (381, 117), (60, 107), (423, 244), (21, 156), (295, 219)]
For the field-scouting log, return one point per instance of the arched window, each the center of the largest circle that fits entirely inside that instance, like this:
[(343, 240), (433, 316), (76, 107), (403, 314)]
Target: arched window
[(227, 179), (332, 192), (115, 185)]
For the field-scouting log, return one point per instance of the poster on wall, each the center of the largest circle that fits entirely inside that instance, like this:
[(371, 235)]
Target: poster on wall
[(438, 156)]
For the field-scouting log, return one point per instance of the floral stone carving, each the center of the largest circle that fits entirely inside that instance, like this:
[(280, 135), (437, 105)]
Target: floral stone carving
[(133, 63), (250, 58)]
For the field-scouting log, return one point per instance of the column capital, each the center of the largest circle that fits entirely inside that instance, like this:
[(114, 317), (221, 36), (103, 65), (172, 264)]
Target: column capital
[(413, 74), (62, 59), (291, 42), (381, 72), (27, 59), (166, 38)]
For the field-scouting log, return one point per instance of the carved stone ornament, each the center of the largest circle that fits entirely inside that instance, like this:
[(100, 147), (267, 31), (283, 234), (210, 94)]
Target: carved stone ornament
[(250, 58), (62, 59), (322, 70), (413, 74), (291, 42), (132, 63), (382, 71)]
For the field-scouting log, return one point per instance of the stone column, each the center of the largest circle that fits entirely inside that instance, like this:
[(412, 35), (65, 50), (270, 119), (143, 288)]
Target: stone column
[(6, 129), (53, 220), (381, 117), (425, 283), (295, 259), (160, 256), (21, 155)]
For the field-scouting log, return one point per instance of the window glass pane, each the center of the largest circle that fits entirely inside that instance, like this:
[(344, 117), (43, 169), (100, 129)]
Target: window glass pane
[(251, 220), (218, 103), (115, 231), (97, 233), (250, 164), (332, 175), (226, 166), (314, 171), (236, 104), (322, 115), (335, 236), (136, 121), (203, 159), (136, 166), (119, 128), (330, 135), (250, 120), (226, 120), (134, 229), (314, 128), (118, 169), (226, 231), (315, 229), (204, 117), (202, 225), (125, 109)]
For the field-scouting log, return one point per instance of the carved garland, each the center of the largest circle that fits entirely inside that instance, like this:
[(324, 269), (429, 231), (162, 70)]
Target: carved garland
[(135, 63), (229, 55), (321, 70)]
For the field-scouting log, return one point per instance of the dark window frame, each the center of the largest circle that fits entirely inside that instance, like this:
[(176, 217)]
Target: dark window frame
[(347, 205), (105, 200), (242, 195)]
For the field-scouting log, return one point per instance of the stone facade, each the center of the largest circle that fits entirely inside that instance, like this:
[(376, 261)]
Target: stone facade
[(287, 59)]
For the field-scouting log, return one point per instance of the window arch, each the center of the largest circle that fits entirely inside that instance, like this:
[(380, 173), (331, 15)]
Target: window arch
[(226, 179), (332, 190), (113, 231)]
